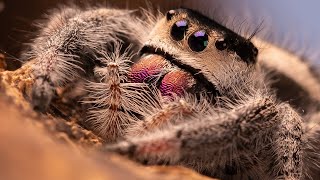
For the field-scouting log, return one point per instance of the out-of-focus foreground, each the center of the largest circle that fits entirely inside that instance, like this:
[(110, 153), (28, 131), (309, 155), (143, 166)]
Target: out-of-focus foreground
[(34, 146)]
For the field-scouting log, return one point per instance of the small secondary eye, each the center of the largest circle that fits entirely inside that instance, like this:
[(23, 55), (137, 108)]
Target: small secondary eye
[(170, 14), (198, 41), (221, 44), (179, 30)]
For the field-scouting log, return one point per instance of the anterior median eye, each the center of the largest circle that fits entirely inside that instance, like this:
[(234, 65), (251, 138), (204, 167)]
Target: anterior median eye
[(198, 41), (179, 30)]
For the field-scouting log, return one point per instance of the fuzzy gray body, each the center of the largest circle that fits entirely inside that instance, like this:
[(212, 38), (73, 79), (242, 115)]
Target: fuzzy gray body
[(242, 132)]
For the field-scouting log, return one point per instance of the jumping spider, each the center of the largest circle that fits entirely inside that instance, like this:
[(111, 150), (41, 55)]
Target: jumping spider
[(179, 89)]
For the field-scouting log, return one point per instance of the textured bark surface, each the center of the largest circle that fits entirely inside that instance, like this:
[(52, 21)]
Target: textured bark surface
[(34, 146)]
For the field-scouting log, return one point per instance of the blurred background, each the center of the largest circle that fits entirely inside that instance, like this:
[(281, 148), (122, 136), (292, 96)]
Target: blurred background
[(291, 24), (17, 18)]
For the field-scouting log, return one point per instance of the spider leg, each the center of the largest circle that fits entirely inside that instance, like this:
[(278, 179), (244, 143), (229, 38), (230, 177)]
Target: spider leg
[(311, 147), (166, 114), (287, 144), (69, 42), (220, 140)]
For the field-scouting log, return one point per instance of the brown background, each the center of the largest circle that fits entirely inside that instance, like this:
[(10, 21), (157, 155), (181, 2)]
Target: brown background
[(18, 15)]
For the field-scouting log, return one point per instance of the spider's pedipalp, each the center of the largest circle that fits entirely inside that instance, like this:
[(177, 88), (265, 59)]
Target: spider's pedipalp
[(116, 103), (66, 46)]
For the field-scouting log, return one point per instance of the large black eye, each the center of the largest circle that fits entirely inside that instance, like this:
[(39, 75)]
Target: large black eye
[(198, 41), (179, 30)]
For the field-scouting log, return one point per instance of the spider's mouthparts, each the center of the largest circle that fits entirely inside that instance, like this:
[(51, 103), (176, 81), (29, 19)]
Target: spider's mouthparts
[(171, 76), (155, 68)]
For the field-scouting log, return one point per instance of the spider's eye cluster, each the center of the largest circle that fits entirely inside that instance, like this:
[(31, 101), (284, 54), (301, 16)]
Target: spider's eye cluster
[(243, 48), (198, 39)]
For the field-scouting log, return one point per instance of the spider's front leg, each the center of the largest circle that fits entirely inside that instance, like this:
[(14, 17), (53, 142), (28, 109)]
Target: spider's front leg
[(167, 114), (70, 42), (258, 139)]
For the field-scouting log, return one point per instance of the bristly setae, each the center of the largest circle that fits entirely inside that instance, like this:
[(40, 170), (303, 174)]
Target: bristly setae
[(186, 91)]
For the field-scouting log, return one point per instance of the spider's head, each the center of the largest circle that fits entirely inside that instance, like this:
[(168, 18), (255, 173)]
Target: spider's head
[(189, 52)]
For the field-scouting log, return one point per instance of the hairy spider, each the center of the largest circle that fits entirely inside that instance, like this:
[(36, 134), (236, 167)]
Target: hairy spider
[(180, 89)]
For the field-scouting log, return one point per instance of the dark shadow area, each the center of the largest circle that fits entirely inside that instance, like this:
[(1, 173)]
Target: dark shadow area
[(17, 18)]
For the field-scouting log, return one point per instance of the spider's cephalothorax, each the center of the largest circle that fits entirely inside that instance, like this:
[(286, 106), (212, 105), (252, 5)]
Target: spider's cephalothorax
[(185, 40), (193, 95)]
